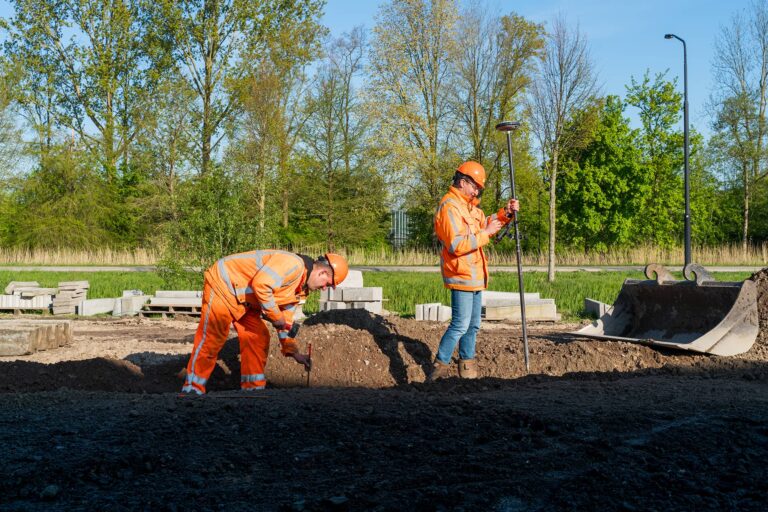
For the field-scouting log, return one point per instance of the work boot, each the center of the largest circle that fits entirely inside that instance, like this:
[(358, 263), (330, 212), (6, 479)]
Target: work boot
[(467, 368), (440, 370)]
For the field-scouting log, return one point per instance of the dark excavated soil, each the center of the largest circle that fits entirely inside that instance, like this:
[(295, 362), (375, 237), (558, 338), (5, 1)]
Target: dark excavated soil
[(595, 425)]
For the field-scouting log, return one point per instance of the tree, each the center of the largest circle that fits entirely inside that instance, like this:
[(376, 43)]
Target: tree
[(494, 66), (340, 198), (91, 79), (740, 100), (564, 86), (411, 53), (598, 196), (211, 40), (661, 149)]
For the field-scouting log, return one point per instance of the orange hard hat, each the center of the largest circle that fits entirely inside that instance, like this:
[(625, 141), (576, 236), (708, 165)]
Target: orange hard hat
[(339, 267), (474, 170)]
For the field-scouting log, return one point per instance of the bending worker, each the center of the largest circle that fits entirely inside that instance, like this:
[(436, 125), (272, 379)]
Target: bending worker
[(463, 230), (247, 290)]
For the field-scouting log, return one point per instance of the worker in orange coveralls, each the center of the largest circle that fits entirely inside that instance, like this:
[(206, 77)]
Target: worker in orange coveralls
[(247, 290), (463, 230)]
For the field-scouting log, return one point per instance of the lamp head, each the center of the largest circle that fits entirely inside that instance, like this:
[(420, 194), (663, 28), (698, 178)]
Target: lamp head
[(668, 36), (508, 126)]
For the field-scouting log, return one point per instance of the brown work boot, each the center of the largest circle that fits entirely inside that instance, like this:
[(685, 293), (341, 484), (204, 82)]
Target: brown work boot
[(439, 371), (467, 368)]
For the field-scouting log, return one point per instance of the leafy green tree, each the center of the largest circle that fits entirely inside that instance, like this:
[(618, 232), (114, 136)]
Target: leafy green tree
[(740, 102), (412, 51), (214, 219), (565, 87), (339, 198), (210, 40), (662, 205), (63, 203), (87, 79), (598, 196)]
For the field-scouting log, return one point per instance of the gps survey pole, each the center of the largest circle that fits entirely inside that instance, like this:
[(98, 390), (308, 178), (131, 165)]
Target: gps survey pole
[(508, 127)]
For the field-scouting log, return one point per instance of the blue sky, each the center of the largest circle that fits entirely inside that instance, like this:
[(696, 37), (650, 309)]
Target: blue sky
[(625, 37)]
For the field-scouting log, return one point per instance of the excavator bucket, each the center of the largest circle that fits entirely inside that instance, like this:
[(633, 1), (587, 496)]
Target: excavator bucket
[(697, 314)]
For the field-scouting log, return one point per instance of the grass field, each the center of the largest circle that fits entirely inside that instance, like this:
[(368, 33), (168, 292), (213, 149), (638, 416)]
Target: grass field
[(402, 290)]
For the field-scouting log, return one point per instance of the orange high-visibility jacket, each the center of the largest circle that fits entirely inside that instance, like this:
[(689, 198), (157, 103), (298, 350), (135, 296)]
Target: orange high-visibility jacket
[(269, 280), (459, 227)]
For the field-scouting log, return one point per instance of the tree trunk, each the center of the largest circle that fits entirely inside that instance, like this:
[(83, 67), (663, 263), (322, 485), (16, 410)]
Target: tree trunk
[(745, 225), (552, 203)]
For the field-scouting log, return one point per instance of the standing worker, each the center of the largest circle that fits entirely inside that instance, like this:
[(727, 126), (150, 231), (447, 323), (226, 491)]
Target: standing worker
[(463, 230), (247, 290)]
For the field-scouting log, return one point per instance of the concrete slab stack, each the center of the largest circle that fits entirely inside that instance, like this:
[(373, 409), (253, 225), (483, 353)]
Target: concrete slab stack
[(367, 298), (21, 337), (26, 295), (69, 297), (498, 306)]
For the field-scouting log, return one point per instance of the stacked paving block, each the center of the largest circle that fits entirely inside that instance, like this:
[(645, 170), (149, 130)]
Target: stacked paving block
[(369, 299), (498, 306), (25, 296), (21, 337), (69, 297), (351, 294), (506, 306), (433, 311), (173, 302)]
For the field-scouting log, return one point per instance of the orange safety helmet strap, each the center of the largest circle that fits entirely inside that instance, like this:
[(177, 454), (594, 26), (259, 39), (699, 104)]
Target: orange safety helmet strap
[(339, 267), (474, 170)]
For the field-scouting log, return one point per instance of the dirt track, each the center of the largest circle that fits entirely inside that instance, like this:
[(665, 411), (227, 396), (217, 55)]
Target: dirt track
[(595, 426)]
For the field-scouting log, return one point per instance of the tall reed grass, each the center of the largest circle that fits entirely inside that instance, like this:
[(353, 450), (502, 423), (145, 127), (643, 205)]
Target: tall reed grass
[(732, 254), (101, 256)]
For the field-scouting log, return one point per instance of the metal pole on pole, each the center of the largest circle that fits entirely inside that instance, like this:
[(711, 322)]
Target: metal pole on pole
[(508, 127), (685, 151)]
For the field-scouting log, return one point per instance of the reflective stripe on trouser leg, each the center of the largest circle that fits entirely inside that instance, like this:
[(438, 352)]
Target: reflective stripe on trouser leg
[(211, 334), (254, 347)]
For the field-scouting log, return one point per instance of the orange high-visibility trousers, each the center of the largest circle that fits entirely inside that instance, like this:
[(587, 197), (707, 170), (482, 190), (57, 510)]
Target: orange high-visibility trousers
[(213, 331)]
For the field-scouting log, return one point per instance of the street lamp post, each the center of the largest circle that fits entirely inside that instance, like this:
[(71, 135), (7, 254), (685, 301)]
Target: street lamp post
[(685, 151)]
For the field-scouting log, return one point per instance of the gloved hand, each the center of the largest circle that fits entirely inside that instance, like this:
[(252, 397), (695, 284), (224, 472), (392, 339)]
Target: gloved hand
[(303, 359)]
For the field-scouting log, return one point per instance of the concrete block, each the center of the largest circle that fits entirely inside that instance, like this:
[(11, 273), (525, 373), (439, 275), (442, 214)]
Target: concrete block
[(74, 285), (62, 328), (20, 284), (363, 294), (179, 293), (332, 305), (542, 310), (17, 302), (506, 298), (27, 336), (419, 312), (354, 279), (373, 307), (96, 306), (129, 306), (177, 301), (18, 342), (28, 293), (331, 294), (443, 313), (595, 307)]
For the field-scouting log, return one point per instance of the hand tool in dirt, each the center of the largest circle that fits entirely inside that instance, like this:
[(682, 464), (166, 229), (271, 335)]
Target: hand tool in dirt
[(508, 127), (697, 314), (308, 366)]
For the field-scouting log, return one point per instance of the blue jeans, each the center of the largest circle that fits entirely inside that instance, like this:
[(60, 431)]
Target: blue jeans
[(466, 308)]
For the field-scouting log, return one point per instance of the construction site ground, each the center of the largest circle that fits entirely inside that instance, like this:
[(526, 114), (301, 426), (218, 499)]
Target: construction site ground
[(594, 425)]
